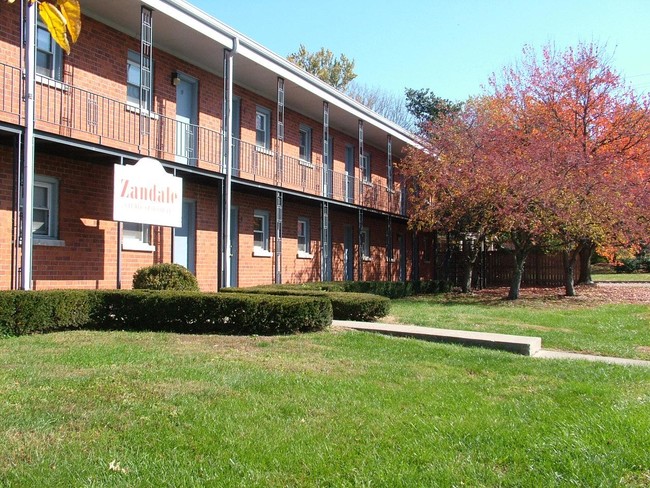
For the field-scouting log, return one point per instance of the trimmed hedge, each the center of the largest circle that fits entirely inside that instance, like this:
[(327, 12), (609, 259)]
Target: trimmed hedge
[(345, 306), (29, 312), (390, 289)]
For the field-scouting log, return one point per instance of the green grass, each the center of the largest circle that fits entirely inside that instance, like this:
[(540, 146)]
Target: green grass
[(621, 277), (329, 409), (604, 329)]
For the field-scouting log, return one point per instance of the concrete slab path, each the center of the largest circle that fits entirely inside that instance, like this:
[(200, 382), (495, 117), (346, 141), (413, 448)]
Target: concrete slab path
[(525, 345)]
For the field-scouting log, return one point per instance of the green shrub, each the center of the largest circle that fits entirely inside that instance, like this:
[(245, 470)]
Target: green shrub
[(390, 289), (165, 276), (194, 312), (24, 312), (345, 306), (31, 312)]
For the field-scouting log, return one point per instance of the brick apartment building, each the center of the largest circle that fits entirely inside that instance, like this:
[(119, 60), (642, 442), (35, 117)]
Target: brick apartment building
[(285, 179)]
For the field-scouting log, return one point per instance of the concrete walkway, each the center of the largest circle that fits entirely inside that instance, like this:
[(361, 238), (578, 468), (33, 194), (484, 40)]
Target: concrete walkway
[(525, 345)]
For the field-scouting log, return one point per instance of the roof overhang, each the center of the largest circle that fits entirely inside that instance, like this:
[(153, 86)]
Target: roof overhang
[(187, 32)]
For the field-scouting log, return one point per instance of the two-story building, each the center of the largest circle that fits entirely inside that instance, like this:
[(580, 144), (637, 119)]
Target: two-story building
[(285, 179)]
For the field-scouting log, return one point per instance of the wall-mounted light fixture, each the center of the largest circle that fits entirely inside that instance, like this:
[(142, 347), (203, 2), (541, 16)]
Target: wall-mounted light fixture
[(176, 79)]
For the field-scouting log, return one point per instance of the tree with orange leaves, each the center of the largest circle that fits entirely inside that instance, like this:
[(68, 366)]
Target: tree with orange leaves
[(554, 155), (597, 128)]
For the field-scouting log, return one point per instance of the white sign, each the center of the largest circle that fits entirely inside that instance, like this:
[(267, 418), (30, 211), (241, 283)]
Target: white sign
[(145, 193)]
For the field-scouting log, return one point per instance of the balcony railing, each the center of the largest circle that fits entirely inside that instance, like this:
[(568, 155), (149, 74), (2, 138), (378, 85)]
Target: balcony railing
[(84, 115), (10, 101)]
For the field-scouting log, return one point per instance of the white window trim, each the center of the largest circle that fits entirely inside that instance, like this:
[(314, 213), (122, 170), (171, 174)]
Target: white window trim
[(133, 244), (308, 149), (305, 254), (57, 59), (51, 82), (267, 128), (366, 177), (52, 239), (366, 244), (132, 107), (137, 107), (265, 251)]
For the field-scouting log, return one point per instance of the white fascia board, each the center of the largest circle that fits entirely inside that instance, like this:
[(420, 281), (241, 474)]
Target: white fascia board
[(192, 17), (214, 29), (269, 60)]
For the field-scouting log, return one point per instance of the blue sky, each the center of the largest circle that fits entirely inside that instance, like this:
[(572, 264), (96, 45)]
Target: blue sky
[(449, 46)]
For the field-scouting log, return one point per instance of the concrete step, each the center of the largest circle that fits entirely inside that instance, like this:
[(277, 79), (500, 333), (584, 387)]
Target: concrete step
[(528, 346)]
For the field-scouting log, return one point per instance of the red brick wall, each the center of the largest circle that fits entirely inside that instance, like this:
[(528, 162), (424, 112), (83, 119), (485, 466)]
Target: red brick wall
[(254, 270), (7, 163), (89, 257)]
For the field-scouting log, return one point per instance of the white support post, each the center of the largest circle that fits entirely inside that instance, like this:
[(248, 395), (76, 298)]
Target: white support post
[(228, 75), (28, 150)]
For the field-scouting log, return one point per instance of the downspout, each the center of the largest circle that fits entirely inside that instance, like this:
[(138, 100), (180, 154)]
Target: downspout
[(28, 150), (119, 246), (228, 200)]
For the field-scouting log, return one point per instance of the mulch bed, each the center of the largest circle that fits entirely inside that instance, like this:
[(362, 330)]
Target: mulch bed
[(599, 293)]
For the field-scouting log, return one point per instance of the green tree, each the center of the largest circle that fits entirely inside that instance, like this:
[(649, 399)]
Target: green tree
[(426, 107), (338, 72)]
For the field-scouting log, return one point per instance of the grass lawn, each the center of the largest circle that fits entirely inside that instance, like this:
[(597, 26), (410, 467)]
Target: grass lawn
[(333, 409), (571, 324), (621, 277)]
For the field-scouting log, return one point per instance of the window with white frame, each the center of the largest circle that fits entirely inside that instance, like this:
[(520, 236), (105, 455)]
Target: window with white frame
[(49, 55), (45, 211), (365, 168), (261, 246), (305, 143), (136, 237), (263, 128), (304, 241), (364, 243), (133, 81)]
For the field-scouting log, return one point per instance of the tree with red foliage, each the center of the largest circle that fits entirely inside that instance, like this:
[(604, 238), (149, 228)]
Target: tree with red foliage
[(553, 156), (597, 129)]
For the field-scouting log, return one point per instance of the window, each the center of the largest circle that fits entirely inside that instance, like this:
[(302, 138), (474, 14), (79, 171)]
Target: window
[(365, 168), (428, 248), (45, 212), (304, 242), (305, 143), (133, 82), (49, 55), (136, 237), (263, 128), (364, 243), (261, 233)]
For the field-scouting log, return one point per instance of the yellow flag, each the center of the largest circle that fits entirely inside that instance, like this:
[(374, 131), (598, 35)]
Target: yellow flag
[(72, 13), (56, 24)]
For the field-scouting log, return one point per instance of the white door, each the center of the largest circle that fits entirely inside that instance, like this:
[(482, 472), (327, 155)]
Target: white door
[(185, 238), (349, 173), (186, 119)]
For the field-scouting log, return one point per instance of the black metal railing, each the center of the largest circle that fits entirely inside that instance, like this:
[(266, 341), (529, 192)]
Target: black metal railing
[(86, 115)]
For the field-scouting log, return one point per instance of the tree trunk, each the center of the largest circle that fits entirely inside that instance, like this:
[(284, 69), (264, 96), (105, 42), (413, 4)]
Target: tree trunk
[(470, 254), (466, 285), (585, 264), (570, 259), (520, 260)]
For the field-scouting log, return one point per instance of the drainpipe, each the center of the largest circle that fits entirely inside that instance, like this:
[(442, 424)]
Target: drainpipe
[(228, 203), (28, 149)]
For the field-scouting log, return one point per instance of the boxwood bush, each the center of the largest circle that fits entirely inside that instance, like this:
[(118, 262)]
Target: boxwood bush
[(165, 276), (24, 312), (345, 306), (390, 289)]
